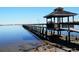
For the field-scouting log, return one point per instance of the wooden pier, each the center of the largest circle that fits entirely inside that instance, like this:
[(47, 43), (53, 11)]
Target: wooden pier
[(46, 34), (51, 30)]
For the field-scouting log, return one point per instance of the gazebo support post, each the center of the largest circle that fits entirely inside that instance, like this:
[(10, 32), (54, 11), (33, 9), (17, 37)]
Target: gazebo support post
[(46, 20), (62, 22), (54, 25), (46, 29), (73, 18), (58, 22), (51, 28), (60, 25), (73, 21), (68, 30)]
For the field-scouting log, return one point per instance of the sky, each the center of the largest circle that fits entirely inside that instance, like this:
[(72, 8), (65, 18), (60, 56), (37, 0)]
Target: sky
[(28, 15)]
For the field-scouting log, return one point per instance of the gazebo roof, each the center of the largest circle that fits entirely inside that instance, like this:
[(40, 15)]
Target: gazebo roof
[(59, 12)]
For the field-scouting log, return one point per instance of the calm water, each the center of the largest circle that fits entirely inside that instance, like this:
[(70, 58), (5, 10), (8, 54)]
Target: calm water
[(15, 36)]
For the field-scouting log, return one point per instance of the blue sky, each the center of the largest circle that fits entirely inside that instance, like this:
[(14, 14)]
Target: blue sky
[(24, 15)]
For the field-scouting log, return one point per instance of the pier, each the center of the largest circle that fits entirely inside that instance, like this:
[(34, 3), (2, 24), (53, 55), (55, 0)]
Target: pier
[(51, 30)]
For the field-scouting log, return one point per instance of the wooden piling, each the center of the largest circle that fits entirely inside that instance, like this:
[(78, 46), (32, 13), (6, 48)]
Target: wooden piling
[(46, 33)]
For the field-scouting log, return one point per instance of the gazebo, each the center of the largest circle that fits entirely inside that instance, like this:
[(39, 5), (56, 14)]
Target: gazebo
[(59, 14)]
